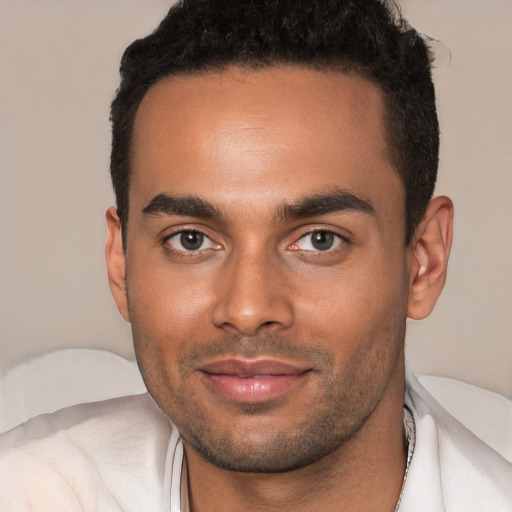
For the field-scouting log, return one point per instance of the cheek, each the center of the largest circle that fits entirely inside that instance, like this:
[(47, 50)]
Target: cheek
[(167, 299), (159, 337), (362, 309), (352, 294)]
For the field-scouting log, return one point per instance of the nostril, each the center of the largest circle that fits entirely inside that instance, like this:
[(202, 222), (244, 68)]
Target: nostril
[(268, 325)]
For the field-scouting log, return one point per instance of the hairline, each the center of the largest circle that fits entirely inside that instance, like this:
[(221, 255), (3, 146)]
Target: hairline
[(344, 66)]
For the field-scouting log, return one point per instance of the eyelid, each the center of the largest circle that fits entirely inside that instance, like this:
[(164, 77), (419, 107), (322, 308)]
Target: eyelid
[(213, 245), (185, 229), (341, 240)]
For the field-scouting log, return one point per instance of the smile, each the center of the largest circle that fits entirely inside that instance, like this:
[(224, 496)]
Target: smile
[(251, 382)]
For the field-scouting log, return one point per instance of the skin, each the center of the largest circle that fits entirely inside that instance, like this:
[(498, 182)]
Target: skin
[(249, 147)]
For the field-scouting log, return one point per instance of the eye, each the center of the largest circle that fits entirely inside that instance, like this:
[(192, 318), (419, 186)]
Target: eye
[(319, 241), (189, 241)]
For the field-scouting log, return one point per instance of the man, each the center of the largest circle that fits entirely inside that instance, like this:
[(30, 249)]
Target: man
[(273, 164)]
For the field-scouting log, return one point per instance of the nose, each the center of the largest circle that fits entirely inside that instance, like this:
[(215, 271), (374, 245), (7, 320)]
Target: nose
[(252, 296)]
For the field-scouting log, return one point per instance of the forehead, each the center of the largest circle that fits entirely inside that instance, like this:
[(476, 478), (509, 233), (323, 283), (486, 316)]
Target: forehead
[(267, 133)]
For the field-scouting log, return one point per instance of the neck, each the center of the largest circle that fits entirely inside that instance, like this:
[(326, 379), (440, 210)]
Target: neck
[(365, 473)]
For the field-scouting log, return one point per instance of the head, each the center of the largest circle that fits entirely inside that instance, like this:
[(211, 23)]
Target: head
[(273, 164)]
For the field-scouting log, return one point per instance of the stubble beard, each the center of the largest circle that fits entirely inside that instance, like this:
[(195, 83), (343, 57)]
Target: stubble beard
[(346, 399)]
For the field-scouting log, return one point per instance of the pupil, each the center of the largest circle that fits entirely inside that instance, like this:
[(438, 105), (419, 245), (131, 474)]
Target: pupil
[(322, 240), (191, 240)]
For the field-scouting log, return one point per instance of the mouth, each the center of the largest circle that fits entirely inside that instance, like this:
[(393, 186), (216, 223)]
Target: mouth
[(252, 381)]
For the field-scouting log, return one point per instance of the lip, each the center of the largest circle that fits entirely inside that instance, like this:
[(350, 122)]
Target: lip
[(252, 381)]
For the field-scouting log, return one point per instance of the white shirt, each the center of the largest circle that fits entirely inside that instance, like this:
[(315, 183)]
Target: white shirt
[(124, 455)]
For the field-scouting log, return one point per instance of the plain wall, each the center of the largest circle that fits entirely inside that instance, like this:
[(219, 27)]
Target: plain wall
[(58, 72)]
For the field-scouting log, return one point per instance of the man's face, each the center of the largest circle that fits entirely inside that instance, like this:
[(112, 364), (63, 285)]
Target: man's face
[(266, 270)]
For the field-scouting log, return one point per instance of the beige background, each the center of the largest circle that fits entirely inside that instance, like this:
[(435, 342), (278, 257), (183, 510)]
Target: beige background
[(58, 71)]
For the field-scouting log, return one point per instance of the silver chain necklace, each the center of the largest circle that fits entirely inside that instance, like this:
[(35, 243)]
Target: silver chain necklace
[(410, 435)]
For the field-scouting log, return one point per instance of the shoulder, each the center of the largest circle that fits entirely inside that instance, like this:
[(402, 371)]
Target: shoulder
[(107, 452), (95, 427), (452, 469)]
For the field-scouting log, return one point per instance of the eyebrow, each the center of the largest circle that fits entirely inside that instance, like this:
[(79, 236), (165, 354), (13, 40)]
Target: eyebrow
[(187, 206), (332, 201)]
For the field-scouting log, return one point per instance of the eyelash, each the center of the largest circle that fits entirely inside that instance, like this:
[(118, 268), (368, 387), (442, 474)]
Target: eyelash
[(342, 240), (186, 253)]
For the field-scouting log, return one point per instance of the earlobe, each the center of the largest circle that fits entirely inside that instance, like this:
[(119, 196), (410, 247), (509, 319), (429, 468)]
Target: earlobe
[(115, 257), (429, 254)]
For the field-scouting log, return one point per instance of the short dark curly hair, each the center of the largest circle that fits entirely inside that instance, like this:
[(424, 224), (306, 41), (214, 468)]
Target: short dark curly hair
[(369, 38)]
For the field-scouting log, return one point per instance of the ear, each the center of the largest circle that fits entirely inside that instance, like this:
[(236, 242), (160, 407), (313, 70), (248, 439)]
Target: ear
[(114, 255), (429, 252)]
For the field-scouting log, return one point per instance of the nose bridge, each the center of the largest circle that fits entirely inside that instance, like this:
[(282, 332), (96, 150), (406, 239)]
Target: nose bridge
[(252, 295)]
